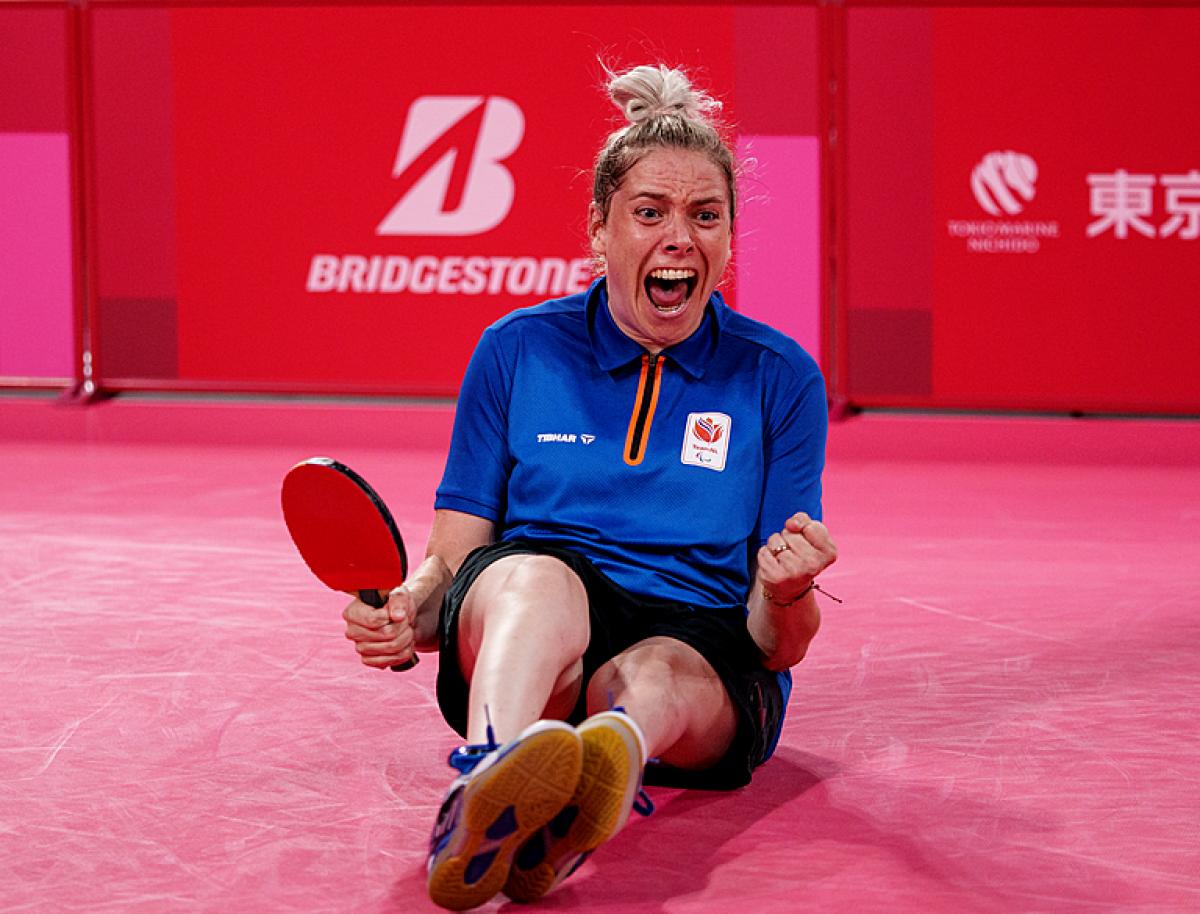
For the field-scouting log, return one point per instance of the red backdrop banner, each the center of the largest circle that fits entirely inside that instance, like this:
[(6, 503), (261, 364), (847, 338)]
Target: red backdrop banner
[(354, 205), (357, 191), (1024, 209)]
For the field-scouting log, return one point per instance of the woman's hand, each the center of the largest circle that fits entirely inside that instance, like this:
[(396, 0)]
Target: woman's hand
[(410, 620), (383, 637), (790, 560), (784, 615)]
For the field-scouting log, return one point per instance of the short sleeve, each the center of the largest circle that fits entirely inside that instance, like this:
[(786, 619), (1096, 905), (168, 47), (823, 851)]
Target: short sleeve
[(478, 465), (794, 445)]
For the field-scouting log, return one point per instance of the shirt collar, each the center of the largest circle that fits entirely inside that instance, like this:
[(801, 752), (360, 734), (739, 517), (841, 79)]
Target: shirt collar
[(613, 349)]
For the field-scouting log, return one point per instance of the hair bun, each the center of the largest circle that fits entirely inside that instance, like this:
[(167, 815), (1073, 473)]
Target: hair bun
[(648, 92)]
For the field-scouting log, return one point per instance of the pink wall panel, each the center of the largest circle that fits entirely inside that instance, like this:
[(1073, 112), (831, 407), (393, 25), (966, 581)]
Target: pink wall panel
[(777, 256), (36, 280), (36, 290)]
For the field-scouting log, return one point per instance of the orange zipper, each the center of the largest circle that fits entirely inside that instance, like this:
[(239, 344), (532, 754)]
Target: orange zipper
[(643, 409)]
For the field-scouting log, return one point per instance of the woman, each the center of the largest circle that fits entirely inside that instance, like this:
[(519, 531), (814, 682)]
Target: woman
[(623, 558)]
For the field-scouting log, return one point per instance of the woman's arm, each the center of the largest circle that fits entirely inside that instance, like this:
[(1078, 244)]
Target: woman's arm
[(454, 536), (784, 616), (388, 636)]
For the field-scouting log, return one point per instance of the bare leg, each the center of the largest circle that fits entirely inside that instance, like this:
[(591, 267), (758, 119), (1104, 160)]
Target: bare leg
[(676, 698), (521, 637), (671, 694)]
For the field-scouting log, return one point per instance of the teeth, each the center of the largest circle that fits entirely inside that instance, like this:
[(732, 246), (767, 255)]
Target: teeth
[(672, 274)]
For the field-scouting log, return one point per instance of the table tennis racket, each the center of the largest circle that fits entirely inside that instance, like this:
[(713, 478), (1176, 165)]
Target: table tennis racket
[(344, 532)]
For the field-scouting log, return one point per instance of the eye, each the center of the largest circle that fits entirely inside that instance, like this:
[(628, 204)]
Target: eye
[(708, 216), (647, 212)]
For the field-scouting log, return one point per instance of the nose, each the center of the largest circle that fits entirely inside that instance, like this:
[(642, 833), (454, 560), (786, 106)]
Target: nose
[(677, 239)]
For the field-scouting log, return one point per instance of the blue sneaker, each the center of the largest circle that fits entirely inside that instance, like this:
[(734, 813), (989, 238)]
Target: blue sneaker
[(502, 796), (614, 756)]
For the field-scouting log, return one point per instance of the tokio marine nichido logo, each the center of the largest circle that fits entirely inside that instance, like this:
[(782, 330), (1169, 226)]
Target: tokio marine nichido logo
[(1004, 184), (452, 181)]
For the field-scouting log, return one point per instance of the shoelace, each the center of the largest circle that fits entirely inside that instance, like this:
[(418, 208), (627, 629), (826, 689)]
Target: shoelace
[(642, 804), (466, 758)]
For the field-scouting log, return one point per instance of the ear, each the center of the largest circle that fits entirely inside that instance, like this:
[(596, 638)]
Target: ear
[(597, 233)]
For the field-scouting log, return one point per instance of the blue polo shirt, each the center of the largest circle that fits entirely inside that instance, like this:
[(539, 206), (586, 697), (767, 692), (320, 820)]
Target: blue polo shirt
[(668, 472)]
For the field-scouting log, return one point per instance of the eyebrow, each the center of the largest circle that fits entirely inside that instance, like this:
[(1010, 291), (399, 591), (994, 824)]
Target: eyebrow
[(706, 201)]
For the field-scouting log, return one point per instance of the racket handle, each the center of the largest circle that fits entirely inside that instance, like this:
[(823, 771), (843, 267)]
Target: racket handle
[(372, 598)]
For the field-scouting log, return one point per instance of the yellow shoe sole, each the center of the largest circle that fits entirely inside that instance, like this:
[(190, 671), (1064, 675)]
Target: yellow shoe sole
[(603, 798), (516, 795)]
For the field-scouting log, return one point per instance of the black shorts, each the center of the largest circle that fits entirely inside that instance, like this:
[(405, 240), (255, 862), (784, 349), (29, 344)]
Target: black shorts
[(618, 621)]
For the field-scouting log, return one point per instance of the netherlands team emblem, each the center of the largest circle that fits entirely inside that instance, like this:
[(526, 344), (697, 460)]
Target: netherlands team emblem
[(706, 440), (707, 430)]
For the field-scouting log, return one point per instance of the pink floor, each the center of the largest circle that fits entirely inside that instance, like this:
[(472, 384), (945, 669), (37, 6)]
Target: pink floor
[(1001, 717)]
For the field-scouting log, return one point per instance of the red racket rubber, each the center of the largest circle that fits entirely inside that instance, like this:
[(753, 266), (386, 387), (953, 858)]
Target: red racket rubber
[(344, 532)]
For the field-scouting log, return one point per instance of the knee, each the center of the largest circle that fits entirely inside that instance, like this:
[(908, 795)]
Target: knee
[(530, 584), (540, 575), (648, 668), (537, 594)]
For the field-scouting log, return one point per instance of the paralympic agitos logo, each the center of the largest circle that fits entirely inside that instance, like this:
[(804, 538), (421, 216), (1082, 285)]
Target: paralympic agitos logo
[(452, 180)]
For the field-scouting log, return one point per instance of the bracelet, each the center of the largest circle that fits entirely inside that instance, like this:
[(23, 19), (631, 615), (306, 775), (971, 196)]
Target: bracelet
[(812, 585)]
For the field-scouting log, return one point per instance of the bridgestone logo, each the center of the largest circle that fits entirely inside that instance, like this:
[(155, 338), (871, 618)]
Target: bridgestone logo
[(451, 180), (430, 275), (449, 166)]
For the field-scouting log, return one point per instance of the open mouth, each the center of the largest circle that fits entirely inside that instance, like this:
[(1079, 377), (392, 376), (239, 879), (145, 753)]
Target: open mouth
[(670, 290)]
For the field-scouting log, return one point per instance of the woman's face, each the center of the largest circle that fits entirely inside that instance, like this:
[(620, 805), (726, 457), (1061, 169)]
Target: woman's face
[(665, 243)]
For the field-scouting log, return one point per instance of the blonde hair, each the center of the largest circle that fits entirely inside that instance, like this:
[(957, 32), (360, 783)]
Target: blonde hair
[(664, 110)]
